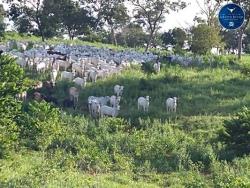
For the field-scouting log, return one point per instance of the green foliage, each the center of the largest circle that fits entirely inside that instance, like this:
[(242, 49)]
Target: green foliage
[(148, 68), (150, 14), (204, 38), (155, 149), (2, 24), (40, 125), (132, 35), (10, 110), (245, 69), (236, 134), (230, 38), (175, 37), (12, 77)]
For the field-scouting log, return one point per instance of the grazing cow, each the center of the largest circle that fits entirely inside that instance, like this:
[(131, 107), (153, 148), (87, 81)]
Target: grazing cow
[(74, 94), (101, 100), (67, 75), (95, 108), (64, 64), (80, 81), (93, 75), (171, 104), (109, 111), (144, 103), (78, 68), (118, 90)]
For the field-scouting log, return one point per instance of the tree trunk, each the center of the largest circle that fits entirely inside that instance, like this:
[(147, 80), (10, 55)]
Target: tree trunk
[(113, 36), (242, 30), (240, 44), (149, 41), (41, 33), (43, 39)]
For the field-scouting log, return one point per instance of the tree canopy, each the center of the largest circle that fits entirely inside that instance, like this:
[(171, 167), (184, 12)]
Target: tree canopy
[(151, 13)]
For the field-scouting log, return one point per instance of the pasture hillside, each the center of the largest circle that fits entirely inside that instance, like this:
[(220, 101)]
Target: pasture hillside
[(53, 146)]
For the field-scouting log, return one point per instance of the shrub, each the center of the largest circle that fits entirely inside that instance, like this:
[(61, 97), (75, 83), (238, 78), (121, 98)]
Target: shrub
[(40, 125), (245, 69), (236, 132), (148, 68), (9, 112)]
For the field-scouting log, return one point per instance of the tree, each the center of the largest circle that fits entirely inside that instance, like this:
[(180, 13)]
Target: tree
[(12, 81), (230, 40), (151, 13), (30, 11), (23, 25), (204, 38), (113, 13), (175, 37), (209, 9), (10, 110), (246, 41), (75, 19), (12, 78), (132, 35)]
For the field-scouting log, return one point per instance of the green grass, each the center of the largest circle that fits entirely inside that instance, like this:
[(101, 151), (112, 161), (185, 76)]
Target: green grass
[(201, 92), (32, 169), (154, 149)]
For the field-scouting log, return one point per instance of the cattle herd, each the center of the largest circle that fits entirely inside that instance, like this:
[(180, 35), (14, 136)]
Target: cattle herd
[(80, 64)]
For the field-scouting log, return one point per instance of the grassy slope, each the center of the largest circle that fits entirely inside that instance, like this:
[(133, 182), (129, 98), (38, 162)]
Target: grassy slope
[(207, 96)]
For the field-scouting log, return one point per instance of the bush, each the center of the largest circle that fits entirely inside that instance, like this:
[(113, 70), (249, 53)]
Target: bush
[(40, 125), (148, 68), (9, 112), (245, 69), (236, 132)]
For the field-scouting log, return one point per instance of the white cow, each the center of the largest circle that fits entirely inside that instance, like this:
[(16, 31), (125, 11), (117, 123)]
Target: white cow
[(118, 90), (80, 81), (144, 103), (109, 111), (67, 75), (95, 108), (171, 104), (64, 64), (21, 62), (53, 76), (101, 100), (157, 67), (40, 67), (114, 101), (78, 68), (93, 75), (74, 94)]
